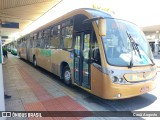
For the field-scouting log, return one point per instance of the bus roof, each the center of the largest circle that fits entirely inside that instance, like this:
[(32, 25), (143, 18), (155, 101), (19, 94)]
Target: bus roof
[(91, 11), (97, 13)]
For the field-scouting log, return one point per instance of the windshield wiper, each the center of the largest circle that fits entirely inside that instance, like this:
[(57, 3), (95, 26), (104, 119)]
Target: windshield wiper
[(135, 48), (152, 61), (134, 44), (131, 63)]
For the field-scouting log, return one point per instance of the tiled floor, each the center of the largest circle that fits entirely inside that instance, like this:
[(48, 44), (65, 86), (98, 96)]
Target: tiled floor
[(33, 91)]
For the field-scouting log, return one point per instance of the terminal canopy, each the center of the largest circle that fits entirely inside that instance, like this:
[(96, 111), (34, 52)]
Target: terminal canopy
[(16, 15)]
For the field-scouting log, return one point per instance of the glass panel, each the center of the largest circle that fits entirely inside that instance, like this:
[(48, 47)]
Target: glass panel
[(42, 43), (34, 39), (85, 73), (31, 42), (67, 36), (77, 59), (77, 45), (86, 51), (46, 38), (76, 69), (94, 46), (125, 43), (38, 41), (55, 37), (86, 46)]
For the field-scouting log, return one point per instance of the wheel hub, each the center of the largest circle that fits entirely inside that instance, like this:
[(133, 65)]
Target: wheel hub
[(67, 75)]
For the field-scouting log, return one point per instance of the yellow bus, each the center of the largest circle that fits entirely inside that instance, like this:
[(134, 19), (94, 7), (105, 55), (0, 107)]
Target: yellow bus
[(104, 55)]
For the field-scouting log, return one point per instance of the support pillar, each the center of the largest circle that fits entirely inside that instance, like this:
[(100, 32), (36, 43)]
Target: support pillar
[(2, 102)]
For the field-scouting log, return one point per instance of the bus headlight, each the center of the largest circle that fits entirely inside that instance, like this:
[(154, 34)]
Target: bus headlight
[(118, 80)]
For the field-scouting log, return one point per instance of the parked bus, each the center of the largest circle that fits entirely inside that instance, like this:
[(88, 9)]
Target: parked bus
[(89, 48)]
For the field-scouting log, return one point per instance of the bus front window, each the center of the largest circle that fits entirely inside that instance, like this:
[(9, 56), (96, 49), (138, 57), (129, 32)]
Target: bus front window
[(125, 44)]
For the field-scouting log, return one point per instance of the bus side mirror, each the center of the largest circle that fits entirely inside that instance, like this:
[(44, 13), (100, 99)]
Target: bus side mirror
[(102, 27), (96, 55)]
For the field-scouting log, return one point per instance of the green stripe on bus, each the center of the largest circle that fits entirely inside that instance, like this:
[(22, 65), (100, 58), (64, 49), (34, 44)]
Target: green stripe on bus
[(45, 52)]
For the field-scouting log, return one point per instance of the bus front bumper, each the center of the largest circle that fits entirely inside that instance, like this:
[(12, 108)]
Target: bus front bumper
[(119, 91)]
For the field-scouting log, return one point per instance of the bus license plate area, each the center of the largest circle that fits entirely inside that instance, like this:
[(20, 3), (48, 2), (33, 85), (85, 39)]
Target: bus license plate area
[(144, 89)]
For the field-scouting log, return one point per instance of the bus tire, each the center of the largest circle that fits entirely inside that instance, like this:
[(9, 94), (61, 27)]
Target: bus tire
[(67, 76), (34, 62)]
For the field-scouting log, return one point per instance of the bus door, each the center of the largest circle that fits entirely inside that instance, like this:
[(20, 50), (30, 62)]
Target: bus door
[(82, 59)]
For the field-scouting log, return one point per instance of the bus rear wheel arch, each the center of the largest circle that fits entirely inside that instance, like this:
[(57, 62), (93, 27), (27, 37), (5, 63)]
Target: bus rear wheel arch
[(67, 75)]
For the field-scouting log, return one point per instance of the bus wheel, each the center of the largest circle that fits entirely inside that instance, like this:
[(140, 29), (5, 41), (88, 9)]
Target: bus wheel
[(67, 75), (34, 62)]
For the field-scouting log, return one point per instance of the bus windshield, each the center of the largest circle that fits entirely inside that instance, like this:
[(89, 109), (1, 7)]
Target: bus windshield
[(125, 44)]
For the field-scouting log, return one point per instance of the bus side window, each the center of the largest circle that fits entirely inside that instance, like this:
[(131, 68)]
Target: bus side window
[(34, 40), (38, 41), (95, 54), (42, 40), (31, 42), (55, 37), (46, 38), (67, 37)]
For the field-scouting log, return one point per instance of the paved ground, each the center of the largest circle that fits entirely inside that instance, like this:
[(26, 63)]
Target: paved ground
[(36, 89), (31, 90)]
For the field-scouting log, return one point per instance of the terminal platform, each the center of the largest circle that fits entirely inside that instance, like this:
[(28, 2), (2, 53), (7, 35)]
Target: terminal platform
[(34, 89)]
